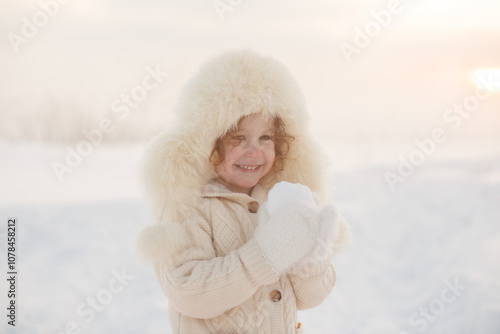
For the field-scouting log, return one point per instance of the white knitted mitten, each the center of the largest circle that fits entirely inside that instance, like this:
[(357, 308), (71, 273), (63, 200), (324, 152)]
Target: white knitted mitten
[(319, 256), (289, 232)]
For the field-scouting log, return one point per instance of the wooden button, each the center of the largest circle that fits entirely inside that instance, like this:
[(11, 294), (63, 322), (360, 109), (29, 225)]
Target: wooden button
[(275, 296), (253, 207)]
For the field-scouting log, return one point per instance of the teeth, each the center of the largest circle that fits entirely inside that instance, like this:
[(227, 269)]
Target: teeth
[(248, 167)]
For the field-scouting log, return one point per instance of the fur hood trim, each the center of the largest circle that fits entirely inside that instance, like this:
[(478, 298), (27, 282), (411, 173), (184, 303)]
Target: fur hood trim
[(233, 85)]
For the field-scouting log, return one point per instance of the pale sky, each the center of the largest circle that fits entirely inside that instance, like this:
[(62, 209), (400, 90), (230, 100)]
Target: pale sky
[(91, 51)]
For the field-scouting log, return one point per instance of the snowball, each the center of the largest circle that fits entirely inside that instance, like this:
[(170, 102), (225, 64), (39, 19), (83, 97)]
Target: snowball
[(285, 194)]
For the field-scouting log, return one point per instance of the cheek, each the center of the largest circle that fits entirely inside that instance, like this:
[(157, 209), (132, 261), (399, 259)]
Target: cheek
[(271, 156), (232, 154), (219, 169)]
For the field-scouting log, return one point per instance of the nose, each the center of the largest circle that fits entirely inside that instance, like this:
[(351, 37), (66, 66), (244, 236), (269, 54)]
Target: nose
[(253, 150)]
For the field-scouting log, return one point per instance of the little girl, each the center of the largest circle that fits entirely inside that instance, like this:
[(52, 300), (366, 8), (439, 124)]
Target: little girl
[(241, 242)]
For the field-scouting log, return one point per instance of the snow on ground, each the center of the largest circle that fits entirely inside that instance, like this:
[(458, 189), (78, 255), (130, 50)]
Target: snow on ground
[(424, 257)]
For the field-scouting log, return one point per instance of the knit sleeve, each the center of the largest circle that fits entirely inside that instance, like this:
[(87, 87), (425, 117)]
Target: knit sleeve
[(312, 285), (201, 285)]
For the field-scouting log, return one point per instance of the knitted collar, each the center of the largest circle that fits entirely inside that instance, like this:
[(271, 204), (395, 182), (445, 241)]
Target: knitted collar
[(216, 189)]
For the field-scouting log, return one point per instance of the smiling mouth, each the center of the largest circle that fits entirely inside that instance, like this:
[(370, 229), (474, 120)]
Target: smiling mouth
[(248, 167)]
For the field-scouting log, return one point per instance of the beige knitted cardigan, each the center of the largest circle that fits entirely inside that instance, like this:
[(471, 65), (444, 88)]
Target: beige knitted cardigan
[(220, 282)]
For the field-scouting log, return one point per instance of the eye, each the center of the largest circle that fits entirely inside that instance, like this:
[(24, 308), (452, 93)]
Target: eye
[(266, 137), (236, 140)]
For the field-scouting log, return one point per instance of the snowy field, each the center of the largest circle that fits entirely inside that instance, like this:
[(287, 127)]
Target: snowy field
[(425, 257)]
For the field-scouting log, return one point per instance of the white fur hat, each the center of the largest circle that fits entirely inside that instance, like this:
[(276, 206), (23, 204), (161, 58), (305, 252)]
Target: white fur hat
[(235, 84)]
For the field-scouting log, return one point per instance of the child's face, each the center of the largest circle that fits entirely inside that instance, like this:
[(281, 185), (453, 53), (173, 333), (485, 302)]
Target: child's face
[(249, 154)]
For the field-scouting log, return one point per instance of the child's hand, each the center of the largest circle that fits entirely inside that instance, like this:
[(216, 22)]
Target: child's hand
[(285, 194), (288, 235), (319, 257)]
